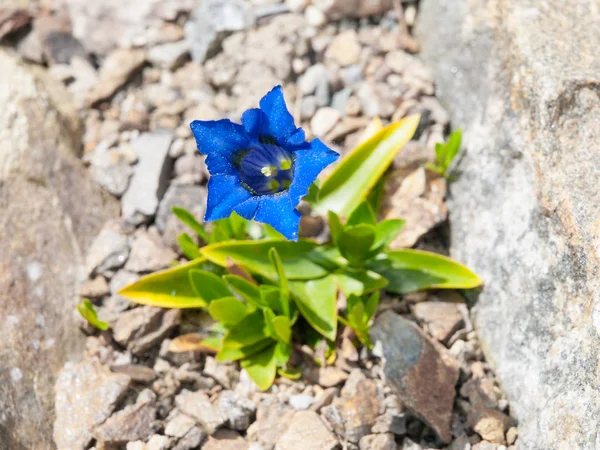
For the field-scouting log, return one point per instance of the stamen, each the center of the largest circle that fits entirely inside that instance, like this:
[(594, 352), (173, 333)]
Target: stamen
[(269, 171)]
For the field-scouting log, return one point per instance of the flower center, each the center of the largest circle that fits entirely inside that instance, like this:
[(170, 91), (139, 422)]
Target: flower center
[(266, 168)]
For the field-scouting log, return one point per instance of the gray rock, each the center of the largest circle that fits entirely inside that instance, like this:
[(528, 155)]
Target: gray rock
[(12, 19), (192, 198), (111, 171), (301, 401), (192, 439), (272, 420), (109, 250), (324, 120), (150, 178), (422, 374), (225, 440), (237, 409), (179, 425), (198, 406), (441, 319), (211, 21), (525, 94), (224, 374), (60, 47), (170, 320), (148, 253), (51, 211), (116, 70), (86, 395), (378, 442), (408, 444), (136, 323), (169, 56), (340, 100), (344, 49), (306, 430), (103, 26), (98, 287), (134, 422), (312, 78), (354, 413), (338, 9)]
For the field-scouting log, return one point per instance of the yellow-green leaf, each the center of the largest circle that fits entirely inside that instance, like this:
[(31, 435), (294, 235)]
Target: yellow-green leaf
[(254, 256), (169, 288), (415, 270), (316, 300), (228, 310), (87, 311), (262, 367), (283, 328), (350, 182), (207, 285)]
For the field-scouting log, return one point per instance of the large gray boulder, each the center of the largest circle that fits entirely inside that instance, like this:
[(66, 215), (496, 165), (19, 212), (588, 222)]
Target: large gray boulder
[(50, 210), (522, 78)]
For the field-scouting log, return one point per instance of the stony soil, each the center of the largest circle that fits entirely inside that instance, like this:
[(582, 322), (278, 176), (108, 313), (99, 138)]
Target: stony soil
[(138, 83)]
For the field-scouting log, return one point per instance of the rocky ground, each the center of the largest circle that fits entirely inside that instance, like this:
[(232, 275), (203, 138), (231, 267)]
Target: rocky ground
[(139, 73)]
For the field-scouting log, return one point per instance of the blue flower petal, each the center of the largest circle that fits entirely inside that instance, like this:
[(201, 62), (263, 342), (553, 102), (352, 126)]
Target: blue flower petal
[(297, 141), (278, 211), (225, 193), (254, 121), (280, 124), (219, 140), (248, 208), (308, 164)]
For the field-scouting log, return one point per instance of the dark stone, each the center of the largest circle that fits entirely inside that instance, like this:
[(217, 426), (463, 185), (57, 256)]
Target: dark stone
[(421, 373)]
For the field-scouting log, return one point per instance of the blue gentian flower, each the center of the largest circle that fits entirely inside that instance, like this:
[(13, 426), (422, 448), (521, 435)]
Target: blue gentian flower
[(262, 168)]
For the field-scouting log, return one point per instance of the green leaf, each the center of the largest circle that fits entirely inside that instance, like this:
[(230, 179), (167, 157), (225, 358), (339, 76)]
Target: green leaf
[(254, 256), (169, 288), (283, 328), (283, 350), (271, 233), (416, 270), (290, 374), (356, 242), (188, 219), (359, 282), (87, 311), (188, 246), (234, 354), (363, 214), (371, 305), (313, 193), (269, 316), (385, 232), (283, 281), (335, 227), (452, 147), (262, 367), (316, 300), (270, 297), (227, 310), (207, 285), (238, 226), (375, 196), (352, 179), (248, 291), (250, 330), (356, 316)]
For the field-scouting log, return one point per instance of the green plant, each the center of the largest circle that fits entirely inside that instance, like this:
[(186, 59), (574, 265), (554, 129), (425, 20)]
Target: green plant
[(266, 293), (87, 311), (445, 154)]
